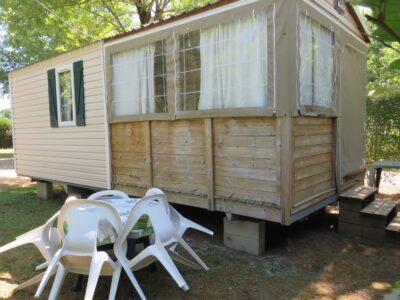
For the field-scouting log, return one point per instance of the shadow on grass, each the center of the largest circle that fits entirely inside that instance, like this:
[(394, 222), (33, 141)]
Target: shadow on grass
[(308, 260)]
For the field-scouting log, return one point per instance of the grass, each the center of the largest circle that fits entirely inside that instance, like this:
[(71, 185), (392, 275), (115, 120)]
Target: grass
[(6, 153), (308, 260)]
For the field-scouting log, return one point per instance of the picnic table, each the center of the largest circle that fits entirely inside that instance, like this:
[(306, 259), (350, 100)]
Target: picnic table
[(375, 171)]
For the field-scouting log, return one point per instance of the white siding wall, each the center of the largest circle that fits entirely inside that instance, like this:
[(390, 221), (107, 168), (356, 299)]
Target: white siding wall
[(71, 154)]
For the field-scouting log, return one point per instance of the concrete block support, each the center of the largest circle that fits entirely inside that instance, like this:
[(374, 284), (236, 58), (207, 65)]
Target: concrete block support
[(78, 192), (245, 235), (45, 190)]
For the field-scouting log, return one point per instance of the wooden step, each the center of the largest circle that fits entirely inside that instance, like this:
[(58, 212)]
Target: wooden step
[(380, 208), (355, 199), (394, 226)]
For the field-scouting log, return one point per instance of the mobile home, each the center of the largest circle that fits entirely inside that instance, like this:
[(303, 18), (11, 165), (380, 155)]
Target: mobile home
[(253, 108)]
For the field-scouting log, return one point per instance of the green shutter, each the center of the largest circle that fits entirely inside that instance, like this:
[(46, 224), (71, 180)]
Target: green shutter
[(51, 79), (79, 93)]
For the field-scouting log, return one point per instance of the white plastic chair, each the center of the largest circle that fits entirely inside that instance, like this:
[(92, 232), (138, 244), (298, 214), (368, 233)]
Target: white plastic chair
[(165, 234), (181, 224), (46, 239), (79, 250), (108, 194)]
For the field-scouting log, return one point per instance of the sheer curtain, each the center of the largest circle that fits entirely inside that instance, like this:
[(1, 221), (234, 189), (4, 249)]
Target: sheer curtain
[(234, 64), (324, 67), (306, 61), (316, 63), (133, 81)]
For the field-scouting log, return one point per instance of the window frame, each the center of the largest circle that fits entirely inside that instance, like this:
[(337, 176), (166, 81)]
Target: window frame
[(59, 70)]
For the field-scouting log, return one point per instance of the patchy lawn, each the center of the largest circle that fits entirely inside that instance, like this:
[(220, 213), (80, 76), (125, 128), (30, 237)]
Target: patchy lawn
[(308, 260)]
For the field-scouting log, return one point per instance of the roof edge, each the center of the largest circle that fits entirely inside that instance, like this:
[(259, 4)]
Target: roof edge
[(359, 23), (184, 15)]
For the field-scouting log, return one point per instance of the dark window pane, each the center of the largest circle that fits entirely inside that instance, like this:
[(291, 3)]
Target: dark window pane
[(161, 104), (190, 65), (159, 48), (192, 39), (65, 90), (192, 81), (159, 66), (182, 63), (192, 59), (192, 101), (159, 84)]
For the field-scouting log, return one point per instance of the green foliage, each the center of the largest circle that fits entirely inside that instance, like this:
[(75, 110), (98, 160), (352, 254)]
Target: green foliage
[(385, 20), (5, 133), (5, 114), (383, 127), (385, 14), (381, 77)]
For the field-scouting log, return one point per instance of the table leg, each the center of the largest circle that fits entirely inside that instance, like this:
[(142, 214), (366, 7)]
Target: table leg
[(130, 252), (146, 242), (378, 177), (78, 284)]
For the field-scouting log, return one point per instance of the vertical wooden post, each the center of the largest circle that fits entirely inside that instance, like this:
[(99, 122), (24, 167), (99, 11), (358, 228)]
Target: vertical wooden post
[(284, 125), (209, 154), (149, 164)]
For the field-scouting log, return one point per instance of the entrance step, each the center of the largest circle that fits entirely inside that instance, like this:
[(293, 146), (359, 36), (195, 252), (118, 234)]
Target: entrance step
[(355, 199), (393, 229), (360, 214), (382, 209)]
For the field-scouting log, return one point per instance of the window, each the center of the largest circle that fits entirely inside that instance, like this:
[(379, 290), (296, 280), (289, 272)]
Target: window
[(65, 97), (224, 66), (316, 69), (139, 80)]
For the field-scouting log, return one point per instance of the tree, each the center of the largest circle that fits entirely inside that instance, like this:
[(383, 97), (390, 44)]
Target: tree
[(385, 15), (5, 114), (37, 29)]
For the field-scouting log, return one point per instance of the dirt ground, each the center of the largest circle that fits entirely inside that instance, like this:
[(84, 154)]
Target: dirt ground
[(308, 260)]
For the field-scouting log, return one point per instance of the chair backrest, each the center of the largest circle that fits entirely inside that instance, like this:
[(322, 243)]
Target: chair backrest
[(155, 208), (174, 215), (108, 194), (78, 223), (154, 191)]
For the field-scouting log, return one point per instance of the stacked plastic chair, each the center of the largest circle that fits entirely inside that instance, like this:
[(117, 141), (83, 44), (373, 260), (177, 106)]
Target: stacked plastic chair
[(45, 238), (167, 236), (79, 247)]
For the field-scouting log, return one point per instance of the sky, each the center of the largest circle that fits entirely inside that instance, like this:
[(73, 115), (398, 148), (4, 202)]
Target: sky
[(4, 102)]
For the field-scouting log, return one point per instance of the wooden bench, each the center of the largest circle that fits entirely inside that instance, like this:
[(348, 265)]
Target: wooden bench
[(377, 167)]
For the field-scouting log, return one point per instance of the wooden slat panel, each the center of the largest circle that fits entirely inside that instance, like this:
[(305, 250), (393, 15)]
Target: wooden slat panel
[(129, 161), (313, 158), (178, 155), (245, 159)]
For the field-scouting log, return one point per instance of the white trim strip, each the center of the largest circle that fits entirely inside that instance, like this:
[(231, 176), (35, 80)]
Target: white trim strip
[(106, 127), (274, 40), (13, 123)]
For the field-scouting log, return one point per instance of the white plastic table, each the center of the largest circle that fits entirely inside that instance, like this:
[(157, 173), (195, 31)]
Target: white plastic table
[(107, 234), (377, 167)]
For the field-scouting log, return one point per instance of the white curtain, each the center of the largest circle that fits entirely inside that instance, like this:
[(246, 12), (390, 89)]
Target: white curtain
[(133, 81), (234, 64), (306, 61), (316, 63), (324, 67)]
